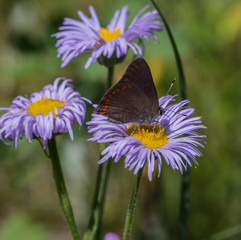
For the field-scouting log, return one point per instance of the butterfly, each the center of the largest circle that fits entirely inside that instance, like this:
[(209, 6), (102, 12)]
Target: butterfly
[(134, 98)]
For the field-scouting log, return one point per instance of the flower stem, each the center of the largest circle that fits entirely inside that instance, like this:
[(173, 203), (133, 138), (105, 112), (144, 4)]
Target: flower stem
[(93, 231), (110, 77), (184, 206), (185, 188), (183, 87), (95, 213), (61, 188), (132, 206), (103, 188)]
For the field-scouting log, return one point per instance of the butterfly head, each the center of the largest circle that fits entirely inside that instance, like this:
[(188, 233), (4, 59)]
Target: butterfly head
[(161, 111)]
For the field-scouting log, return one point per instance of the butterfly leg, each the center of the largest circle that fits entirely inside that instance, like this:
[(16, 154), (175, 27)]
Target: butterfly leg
[(135, 128), (137, 125)]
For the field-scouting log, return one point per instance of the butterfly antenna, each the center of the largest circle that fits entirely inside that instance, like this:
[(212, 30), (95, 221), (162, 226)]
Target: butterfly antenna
[(171, 86)]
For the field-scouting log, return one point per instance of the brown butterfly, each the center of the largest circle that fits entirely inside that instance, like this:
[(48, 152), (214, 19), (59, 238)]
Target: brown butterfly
[(134, 98)]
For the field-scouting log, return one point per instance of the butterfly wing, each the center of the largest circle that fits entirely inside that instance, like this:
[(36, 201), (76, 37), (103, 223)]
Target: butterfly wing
[(133, 98)]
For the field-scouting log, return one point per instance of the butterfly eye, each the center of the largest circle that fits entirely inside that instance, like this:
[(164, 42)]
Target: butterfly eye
[(161, 111)]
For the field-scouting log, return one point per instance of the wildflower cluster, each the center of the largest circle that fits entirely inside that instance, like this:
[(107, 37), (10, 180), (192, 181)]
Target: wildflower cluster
[(136, 135)]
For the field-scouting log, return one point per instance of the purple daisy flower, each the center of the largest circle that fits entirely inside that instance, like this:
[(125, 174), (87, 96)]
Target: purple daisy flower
[(87, 35), (172, 138), (50, 111)]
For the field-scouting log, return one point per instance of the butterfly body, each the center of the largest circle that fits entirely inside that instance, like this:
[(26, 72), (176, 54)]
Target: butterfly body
[(134, 98)]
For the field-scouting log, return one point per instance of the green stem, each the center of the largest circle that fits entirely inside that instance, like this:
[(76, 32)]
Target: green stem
[(132, 206), (103, 193), (110, 77), (94, 223), (93, 230), (183, 87), (61, 188), (184, 206), (185, 185)]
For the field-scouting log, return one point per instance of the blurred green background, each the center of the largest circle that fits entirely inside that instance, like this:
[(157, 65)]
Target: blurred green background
[(208, 35)]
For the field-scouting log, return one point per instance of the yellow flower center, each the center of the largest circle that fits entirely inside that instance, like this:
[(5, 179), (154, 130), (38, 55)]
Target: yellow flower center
[(152, 136), (44, 106), (109, 36)]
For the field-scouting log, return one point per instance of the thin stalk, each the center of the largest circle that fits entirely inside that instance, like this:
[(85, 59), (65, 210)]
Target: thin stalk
[(94, 223), (183, 87), (61, 188), (103, 193), (110, 77), (185, 184), (184, 206), (132, 206), (93, 231)]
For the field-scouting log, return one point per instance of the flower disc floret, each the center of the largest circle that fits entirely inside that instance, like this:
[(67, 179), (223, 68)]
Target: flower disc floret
[(50, 111), (172, 138), (112, 42), (44, 106), (151, 136), (108, 35)]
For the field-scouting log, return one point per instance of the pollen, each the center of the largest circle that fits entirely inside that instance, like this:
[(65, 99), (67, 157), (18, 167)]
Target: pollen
[(107, 35), (152, 136), (44, 106)]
